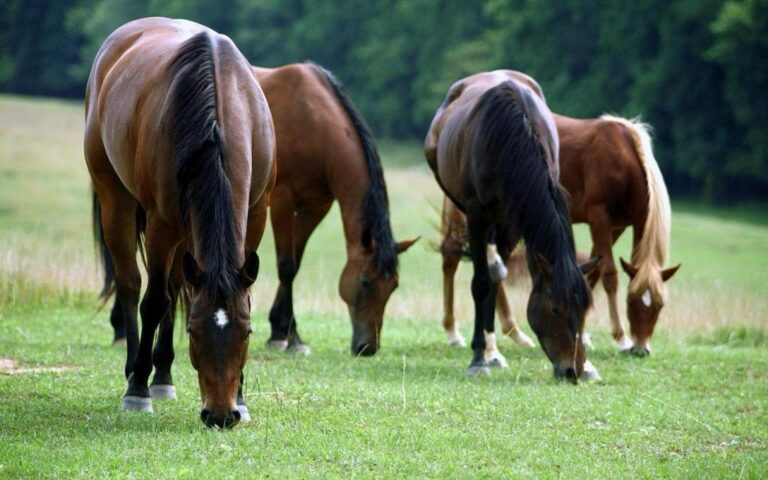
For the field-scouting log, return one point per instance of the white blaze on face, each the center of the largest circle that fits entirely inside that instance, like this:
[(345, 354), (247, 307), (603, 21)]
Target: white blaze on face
[(646, 298), (221, 319)]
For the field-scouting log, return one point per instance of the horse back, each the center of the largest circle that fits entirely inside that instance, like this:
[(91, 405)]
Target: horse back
[(129, 110), (600, 166), (320, 155)]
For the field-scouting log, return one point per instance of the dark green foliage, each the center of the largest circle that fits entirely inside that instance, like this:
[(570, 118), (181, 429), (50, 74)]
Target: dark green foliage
[(694, 69)]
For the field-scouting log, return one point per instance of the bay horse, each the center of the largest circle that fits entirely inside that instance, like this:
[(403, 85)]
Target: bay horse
[(326, 152), (180, 146), (613, 181), (493, 148)]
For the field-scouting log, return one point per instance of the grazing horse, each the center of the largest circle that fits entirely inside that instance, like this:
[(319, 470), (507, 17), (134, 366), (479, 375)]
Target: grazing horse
[(180, 146), (493, 148), (613, 181), (325, 151)]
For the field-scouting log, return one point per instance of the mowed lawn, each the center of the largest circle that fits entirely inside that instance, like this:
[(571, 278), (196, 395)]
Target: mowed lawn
[(697, 408)]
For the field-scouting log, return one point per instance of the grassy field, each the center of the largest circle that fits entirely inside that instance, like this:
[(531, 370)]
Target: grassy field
[(697, 408)]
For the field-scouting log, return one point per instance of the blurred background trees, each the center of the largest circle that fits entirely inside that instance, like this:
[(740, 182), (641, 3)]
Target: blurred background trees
[(697, 70)]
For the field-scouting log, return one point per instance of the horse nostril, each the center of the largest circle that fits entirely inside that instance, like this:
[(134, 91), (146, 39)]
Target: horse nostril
[(205, 416), (570, 373), (364, 350)]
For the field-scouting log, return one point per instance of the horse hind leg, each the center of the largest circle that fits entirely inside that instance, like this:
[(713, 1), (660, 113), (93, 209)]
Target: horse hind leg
[(450, 265), (483, 291)]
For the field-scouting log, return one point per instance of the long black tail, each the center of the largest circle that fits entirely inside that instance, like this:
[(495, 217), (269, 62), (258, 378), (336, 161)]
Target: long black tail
[(375, 203), (108, 288), (204, 190)]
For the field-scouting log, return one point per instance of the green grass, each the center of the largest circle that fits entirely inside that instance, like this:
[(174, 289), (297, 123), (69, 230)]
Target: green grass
[(697, 408)]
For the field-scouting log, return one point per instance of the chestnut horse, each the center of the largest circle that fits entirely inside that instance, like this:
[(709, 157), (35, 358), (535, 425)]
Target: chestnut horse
[(180, 145), (325, 151), (493, 149), (613, 180)]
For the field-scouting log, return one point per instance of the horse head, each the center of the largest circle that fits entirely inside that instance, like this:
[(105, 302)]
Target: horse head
[(366, 287), (645, 299), (219, 327)]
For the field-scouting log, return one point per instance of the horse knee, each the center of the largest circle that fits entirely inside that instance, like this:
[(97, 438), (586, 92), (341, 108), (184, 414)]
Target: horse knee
[(450, 264), (286, 270)]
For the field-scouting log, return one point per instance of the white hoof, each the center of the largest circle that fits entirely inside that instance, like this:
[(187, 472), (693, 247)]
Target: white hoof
[(624, 344), (244, 415), (478, 370), (280, 345), (162, 392), (495, 359), (455, 339), (137, 404), (590, 373), (299, 349), (521, 339), (586, 340)]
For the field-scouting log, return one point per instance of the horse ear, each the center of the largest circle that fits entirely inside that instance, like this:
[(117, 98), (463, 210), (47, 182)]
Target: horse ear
[(192, 273), (404, 245), (629, 268), (250, 270), (667, 274), (544, 266), (590, 264)]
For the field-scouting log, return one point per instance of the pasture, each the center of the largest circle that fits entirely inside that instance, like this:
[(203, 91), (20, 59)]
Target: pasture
[(697, 408)]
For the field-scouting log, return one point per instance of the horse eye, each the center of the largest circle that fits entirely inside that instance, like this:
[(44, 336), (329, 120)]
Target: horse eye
[(556, 311), (250, 328), (189, 328)]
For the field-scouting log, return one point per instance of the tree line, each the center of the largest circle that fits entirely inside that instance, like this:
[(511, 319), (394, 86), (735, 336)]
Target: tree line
[(697, 70)]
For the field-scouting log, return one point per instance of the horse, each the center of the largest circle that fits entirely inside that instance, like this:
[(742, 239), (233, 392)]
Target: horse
[(453, 247), (613, 181), (180, 147), (493, 148), (326, 152)]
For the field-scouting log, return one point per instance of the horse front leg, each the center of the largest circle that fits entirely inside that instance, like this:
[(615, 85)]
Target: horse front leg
[(162, 387), (602, 245), (155, 308)]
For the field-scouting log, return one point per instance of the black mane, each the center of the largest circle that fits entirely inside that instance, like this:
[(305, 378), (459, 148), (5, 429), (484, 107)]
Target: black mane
[(205, 196), (536, 207), (376, 227)]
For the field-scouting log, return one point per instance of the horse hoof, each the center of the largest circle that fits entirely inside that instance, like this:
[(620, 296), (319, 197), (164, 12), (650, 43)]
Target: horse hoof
[(497, 362), (586, 340), (279, 345), (590, 373), (162, 392), (455, 339), (478, 370), (244, 415), (132, 403), (624, 344), (640, 352), (522, 339), (299, 349)]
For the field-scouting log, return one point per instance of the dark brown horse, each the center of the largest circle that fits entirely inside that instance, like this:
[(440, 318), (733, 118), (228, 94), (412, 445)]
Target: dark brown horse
[(608, 168), (180, 145), (326, 152), (493, 148)]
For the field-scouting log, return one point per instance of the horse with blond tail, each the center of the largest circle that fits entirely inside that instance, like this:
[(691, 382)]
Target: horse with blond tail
[(613, 181)]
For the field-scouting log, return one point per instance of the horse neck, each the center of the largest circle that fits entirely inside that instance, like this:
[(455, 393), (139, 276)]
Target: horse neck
[(351, 206)]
